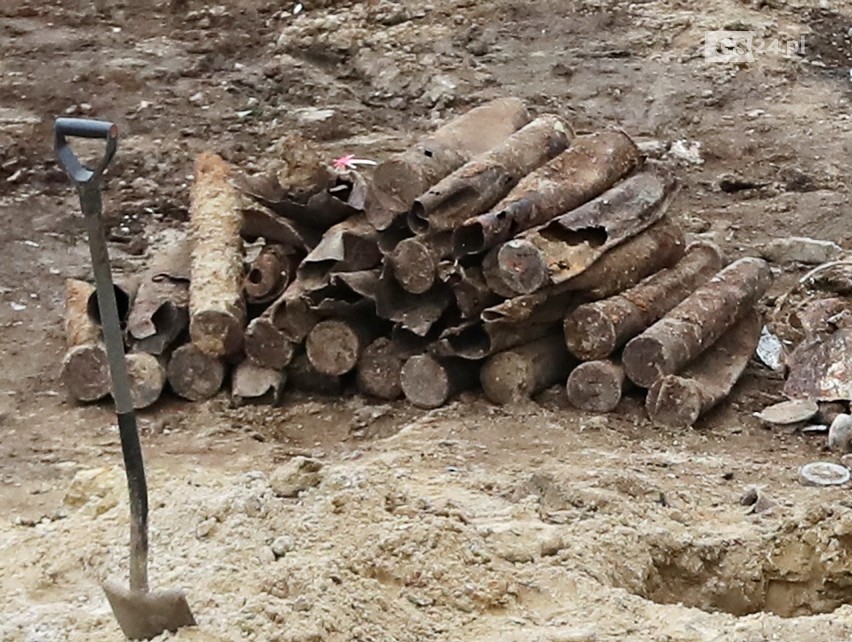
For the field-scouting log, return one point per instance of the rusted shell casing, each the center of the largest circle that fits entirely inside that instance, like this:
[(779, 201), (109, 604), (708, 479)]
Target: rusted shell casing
[(519, 373), (697, 322), (266, 346), (270, 273), (597, 386), (414, 261), (334, 345), (429, 382), (216, 308), (160, 312), (475, 340), (480, 184), (588, 168), (398, 181), (679, 400), (254, 384), (596, 330), (85, 369), (471, 292), (193, 374), (569, 244)]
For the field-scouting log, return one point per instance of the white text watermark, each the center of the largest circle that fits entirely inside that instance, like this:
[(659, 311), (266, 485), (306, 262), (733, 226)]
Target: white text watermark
[(745, 46)]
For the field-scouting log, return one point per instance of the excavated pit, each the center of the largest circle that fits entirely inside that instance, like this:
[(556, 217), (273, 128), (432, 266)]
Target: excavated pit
[(790, 574)]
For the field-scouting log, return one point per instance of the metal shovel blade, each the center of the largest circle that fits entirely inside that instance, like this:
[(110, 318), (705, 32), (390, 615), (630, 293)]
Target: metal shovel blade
[(143, 615)]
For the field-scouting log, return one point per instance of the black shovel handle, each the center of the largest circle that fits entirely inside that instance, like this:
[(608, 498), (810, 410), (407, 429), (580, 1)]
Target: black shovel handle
[(66, 128), (87, 182)]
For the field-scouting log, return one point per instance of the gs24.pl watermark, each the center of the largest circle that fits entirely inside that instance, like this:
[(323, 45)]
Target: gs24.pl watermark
[(745, 46)]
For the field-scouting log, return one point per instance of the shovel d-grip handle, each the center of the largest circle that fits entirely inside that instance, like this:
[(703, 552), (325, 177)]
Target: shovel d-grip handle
[(66, 128)]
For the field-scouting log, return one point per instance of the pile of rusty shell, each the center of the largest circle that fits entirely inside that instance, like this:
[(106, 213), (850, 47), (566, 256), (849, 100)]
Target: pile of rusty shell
[(480, 184), (217, 314), (569, 244), (518, 373), (697, 322), (380, 366), (592, 165), (679, 400), (398, 181), (414, 261), (596, 330)]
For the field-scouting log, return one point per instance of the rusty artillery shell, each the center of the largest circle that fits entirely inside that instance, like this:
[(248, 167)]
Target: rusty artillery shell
[(193, 374), (160, 312), (588, 168), (258, 223), (679, 400), (380, 367), (596, 330), (334, 345), (303, 376), (596, 386), (251, 383), (270, 273), (428, 381), (521, 372), (85, 370), (697, 322), (569, 244), (147, 374), (479, 184), (216, 308), (398, 181), (414, 261), (266, 346)]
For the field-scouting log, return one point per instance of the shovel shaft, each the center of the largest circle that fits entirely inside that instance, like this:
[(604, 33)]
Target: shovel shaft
[(90, 200)]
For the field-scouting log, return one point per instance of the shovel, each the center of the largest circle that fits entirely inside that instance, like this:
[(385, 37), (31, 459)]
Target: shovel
[(141, 614)]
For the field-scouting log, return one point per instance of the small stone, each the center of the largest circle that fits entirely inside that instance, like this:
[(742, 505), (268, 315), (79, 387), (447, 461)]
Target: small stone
[(196, 98), (789, 412), (840, 434), (205, 527), (799, 249), (95, 488), (687, 151), (282, 545), (846, 460), (297, 475)]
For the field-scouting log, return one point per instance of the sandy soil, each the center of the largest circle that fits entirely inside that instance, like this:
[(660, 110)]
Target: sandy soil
[(470, 522)]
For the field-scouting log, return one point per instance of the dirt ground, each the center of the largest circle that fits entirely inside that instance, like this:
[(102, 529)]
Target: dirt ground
[(471, 522)]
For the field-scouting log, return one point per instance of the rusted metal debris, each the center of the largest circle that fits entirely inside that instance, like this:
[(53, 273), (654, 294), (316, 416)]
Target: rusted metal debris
[(414, 261), (480, 184), (596, 330), (475, 340), (592, 165), (398, 181), (679, 400), (350, 245), (262, 223), (305, 377), (820, 367), (697, 322), (125, 294), (193, 374), (251, 383), (147, 374), (380, 366), (334, 345), (569, 244), (160, 312)]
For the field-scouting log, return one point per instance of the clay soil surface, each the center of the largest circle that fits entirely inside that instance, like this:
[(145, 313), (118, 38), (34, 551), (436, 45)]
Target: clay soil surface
[(471, 522)]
